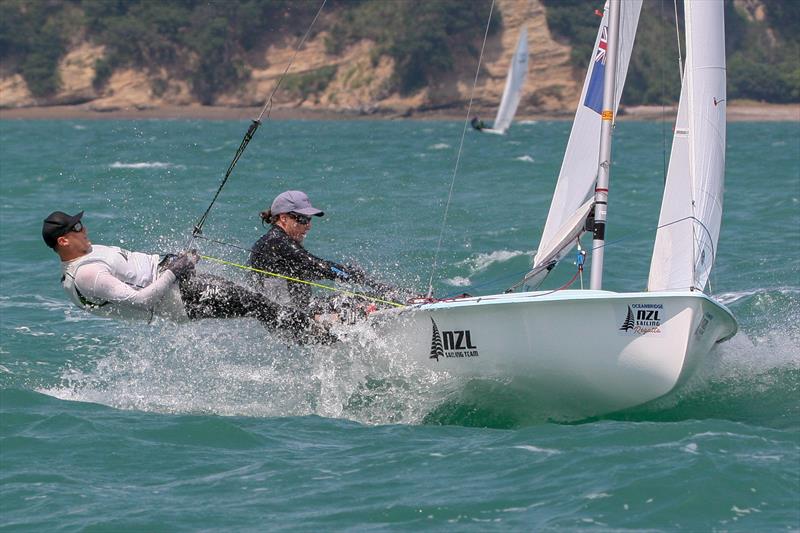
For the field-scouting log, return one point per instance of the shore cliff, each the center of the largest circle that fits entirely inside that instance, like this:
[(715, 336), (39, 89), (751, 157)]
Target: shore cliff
[(355, 86)]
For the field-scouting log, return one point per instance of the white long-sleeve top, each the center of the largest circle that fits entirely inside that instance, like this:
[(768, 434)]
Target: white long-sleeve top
[(113, 281)]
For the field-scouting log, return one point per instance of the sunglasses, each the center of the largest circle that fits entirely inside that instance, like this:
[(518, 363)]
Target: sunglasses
[(303, 220), (77, 228)]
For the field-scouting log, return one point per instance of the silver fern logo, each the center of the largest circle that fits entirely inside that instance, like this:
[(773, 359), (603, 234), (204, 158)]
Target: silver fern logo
[(629, 322), (455, 343), (643, 319), (437, 350)]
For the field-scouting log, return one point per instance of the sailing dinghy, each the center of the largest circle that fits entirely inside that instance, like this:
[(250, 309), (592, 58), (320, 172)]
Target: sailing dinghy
[(512, 93), (598, 351)]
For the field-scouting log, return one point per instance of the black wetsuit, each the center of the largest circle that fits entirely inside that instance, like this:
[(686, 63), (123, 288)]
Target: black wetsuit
[(207, 296), (278, 253)]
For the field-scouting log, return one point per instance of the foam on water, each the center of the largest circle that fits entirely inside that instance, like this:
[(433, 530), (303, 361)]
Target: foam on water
[(731, 432), (458, 281), (536, 449), (146, 164), (753, 377), (483, 261), (238, 368), (235, 367), (729, 298)]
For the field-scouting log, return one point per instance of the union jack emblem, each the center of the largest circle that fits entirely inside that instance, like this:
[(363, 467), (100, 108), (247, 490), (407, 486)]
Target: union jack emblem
[(600, 56)]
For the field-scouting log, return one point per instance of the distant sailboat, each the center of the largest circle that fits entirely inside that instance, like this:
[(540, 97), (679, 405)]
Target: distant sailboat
[(515, 80)]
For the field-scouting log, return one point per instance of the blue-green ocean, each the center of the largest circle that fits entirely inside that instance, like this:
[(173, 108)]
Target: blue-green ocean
[(217, 425)]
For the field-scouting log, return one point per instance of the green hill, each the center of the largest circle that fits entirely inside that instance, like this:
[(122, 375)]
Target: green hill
[(763, 48), (207, 43)]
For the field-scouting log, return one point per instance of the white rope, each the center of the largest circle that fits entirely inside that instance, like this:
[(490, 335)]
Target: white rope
[(458, 157)]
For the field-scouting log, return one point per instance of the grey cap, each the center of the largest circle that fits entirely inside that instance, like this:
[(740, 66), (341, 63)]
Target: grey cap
[(294, 202)]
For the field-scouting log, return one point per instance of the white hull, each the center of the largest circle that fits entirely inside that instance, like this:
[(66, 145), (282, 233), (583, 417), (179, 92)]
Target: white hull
[(598, 351)]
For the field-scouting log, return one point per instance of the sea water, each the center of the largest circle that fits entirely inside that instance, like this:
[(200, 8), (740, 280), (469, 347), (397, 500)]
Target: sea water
[(219, 425)]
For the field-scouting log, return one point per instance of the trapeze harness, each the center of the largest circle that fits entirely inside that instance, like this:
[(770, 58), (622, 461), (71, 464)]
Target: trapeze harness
[(134, 269)]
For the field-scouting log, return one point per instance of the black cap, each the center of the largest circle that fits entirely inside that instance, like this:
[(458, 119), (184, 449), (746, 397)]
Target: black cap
[(57, 224)]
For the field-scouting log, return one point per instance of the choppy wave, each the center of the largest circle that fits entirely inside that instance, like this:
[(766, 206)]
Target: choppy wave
[(458, 281), (233, 371), (729, 298), (237, 368), (146, 164), (481, 262), (439, 146), (525, 158), (754, 377), (758, 385)]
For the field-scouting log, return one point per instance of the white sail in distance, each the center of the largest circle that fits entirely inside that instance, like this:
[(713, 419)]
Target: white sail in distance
[(579, 168), (515, 80), (691, 211)]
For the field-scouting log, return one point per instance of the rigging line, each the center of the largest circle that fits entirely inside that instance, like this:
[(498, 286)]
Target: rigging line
[(694, 239), (663, 111), (678, 33), (296, 280), (521, 282), (268, 104), (631, 234), (489, 282), (565, 286), (198, 228), (460, 148), (231, 245)]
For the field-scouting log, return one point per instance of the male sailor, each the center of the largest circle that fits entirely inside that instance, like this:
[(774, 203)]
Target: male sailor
[(111, 281)]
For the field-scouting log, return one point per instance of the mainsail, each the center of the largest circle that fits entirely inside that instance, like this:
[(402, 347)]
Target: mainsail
[(515, 79), (581, 158), (691, 211)]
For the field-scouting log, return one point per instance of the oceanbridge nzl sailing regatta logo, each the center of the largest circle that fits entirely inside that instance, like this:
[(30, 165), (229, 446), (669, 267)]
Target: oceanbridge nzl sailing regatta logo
[(455, 343), (643, 319)]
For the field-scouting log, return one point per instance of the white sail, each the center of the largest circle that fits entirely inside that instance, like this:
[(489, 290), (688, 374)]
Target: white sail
[(691, 211), (579, 168), (633, 347), (515, 79), (560, 244)]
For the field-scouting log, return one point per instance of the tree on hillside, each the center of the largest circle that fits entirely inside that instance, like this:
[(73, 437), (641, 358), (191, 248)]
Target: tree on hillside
[(763, 56), (421, 37)]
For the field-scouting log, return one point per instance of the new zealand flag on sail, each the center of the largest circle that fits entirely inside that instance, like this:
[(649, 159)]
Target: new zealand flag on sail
[(594, 92)]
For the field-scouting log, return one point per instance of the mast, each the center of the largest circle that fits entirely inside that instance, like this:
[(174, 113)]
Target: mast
[(604, 169)]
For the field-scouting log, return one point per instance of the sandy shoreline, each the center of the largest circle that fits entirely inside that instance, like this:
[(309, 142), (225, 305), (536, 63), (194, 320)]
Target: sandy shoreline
[(737, 111)]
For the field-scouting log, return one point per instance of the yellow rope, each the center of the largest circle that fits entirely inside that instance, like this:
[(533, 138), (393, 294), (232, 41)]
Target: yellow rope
[(287, 278)]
